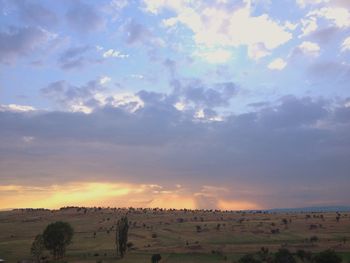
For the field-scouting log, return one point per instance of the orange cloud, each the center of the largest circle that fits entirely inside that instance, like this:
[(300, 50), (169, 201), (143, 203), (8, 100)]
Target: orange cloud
[(114, 195)]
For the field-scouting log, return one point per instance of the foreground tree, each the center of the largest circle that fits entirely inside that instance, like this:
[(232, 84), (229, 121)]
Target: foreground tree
[(121, 237), (37, 247), (57, 236)]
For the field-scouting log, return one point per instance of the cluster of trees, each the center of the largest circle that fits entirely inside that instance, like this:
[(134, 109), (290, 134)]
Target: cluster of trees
[(285, 256)]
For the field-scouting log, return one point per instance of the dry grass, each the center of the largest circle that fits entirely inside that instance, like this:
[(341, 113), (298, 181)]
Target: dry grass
[(176, 241)]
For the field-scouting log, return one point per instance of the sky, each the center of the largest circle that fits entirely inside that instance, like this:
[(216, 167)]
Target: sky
[(217, 104)]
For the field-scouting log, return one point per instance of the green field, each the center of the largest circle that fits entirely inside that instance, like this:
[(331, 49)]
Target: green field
[(174, 234)]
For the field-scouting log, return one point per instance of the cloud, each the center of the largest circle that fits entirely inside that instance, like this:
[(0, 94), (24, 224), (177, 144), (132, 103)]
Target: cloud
[(309, 25), (136, 33), (258, 156), (84, 18), (111, 53), (308, 48), (35, 13), (17, 42), (215, 26), (258, 51), (104, 80), (73, 57), (16, 108), (345, 45), (340, 17), (304, 3), (89, 97), (277, 64), (72, 97), (205, 96), (336, 72), (216, 56)]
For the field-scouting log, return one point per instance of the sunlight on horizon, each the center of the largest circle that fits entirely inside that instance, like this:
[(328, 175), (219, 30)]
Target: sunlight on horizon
[(93, 194)]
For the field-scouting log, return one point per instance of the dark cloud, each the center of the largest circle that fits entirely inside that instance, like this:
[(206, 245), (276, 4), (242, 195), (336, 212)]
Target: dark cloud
[(136, 33), (201, 95), (84, 18), (325, 35), (288, 153), (67, 95), (76, 58), (16, 42), (33, 12)]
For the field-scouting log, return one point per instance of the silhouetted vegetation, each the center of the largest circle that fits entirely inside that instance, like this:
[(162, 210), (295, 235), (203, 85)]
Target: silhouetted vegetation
[(121, 237), (37, 247), (57, 236), (156, 258)]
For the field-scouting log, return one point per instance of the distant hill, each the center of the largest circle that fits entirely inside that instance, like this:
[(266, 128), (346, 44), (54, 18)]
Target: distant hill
[(312, 209)]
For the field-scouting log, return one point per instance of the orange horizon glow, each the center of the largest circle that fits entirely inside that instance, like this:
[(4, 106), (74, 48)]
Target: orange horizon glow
[(92, 194)]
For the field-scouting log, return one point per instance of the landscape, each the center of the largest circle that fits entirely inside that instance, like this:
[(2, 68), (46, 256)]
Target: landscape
[(168, 131), (179, 235)]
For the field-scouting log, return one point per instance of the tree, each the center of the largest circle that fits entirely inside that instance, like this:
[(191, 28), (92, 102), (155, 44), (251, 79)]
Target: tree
[(284, 256), (57, 236), (121, 237), (156, 258), (37, 247), (327, 256)]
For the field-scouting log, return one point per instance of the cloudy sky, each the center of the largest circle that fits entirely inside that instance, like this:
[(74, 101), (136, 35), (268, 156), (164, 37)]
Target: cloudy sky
[(230, 104)]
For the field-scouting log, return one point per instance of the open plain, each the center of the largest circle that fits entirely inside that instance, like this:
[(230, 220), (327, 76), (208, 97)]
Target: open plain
[(178, 235)]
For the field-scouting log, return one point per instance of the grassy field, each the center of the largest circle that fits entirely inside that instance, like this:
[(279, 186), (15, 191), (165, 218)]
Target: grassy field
[(179, 236)]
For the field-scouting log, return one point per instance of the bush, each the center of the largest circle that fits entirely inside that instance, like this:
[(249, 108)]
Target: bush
[(327, 256), (284, 256), (248, 259)]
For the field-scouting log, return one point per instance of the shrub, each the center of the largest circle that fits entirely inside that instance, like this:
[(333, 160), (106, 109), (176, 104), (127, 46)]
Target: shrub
[(156, 258), (327, 256), (284, 256), (37, 247), (248, 259)]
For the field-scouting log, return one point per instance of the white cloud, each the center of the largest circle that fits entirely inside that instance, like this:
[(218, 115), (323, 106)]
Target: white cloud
[(277, 64), (258, 51), (216, 56), (309, 25), (346, 45), (155, 6), (335, 3), (16, 108), (217, 27), (105, 80), (338, 15), (309, 48), (27, 139), (111, 53), (304, 3), (290, 26)]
